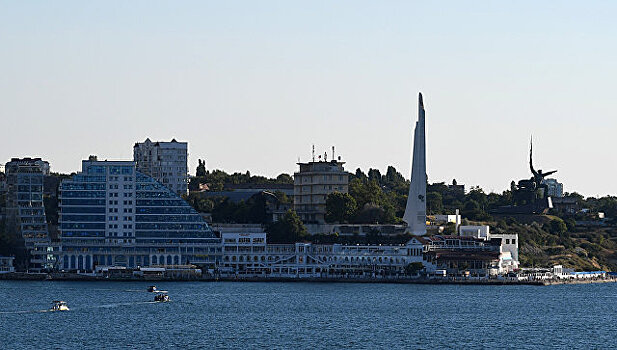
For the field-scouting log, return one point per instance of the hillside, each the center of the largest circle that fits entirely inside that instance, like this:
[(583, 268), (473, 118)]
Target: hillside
[(544, 242)]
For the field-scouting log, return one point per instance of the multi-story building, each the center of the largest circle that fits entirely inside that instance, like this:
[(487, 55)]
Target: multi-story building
[(113, 215), (312, 185), (25, 210), (166, 162), (554, 188)]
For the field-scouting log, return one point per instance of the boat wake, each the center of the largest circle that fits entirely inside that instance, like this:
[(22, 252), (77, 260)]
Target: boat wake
[(104, 306), (23, 312)]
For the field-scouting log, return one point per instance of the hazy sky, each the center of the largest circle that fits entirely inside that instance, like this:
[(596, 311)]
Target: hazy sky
[(253, 84)]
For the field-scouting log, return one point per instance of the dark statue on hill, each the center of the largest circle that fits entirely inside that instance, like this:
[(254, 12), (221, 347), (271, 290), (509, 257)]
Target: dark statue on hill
[(530, 196)]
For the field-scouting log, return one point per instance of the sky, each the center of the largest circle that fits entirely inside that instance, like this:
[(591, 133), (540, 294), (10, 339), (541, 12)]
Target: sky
[(252, 85)]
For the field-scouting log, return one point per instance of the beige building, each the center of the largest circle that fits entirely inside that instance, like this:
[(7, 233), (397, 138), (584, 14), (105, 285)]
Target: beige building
[(313, 183), (166, 162)]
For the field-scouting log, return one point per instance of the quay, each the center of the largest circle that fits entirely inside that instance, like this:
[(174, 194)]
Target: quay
[(23, 276)]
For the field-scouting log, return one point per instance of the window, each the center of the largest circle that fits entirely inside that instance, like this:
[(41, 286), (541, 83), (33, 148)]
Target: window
[(513, 241), (507, 241)]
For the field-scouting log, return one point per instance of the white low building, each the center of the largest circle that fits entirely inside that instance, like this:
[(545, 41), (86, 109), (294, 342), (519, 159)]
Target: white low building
[(247, 254), (507, 242), (6, 264)]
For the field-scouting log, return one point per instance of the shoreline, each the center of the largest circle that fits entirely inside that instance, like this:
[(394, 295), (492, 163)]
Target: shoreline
[(22, 276)]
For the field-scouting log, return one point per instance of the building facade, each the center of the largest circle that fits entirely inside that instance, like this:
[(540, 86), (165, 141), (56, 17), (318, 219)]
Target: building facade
[(313, 183), (554, 188), (248, 254), (166, 162), (25, 209), (113, 215)]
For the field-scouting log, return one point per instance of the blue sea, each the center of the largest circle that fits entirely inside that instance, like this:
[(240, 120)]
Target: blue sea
[(114, 315)]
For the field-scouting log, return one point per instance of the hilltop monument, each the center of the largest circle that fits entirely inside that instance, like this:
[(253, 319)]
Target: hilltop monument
[(530, 196), (415, 211)]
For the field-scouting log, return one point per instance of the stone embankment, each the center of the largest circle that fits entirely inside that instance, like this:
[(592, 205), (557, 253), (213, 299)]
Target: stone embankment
[(458, 280)]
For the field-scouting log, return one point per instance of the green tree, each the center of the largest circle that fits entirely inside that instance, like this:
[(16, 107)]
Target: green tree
[(434, 203), (413, 268), (289, 229), (340, 207), (284, 179), (557, 227), (201, 168)]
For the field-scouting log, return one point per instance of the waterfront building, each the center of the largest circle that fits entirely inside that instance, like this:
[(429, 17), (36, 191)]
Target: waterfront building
[(507, 243), (25, 209), (113, 215), (166, 162), (468, 254), (313, 183), (554, 188), (6, 264), (415, 211), (249, 254)]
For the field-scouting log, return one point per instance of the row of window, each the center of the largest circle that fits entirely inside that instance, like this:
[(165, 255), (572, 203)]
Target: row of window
[(117, 178), (83, 210), (80, 225), (86, 194), (31, 188), (83, 202), (30, 179), (168, 218), (171, 226), (164, 210), (125, 210), (82, 218), (73, 233), (124, 194), (124, 218), (84, 186)]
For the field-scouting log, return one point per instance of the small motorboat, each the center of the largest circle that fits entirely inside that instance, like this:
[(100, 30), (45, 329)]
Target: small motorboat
[(162, 298), (152, 289), (59, 306)]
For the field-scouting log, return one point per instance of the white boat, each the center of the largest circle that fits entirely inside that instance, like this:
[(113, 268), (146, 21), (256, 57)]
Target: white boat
[(162, 297), (59, 306), (152, 289)]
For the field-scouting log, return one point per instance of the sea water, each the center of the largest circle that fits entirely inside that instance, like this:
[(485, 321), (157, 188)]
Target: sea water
[(113, 315)]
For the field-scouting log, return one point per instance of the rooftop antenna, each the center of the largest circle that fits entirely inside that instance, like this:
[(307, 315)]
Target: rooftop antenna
[(313, 153), (325, 156), (333, 157)]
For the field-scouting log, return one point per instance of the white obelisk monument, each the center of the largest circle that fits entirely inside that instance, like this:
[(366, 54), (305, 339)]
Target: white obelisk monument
[(415, 211)]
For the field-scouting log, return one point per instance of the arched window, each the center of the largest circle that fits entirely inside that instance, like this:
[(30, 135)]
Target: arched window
[(177, 260), (73, 265), (80, 262), (88, 262), (154, 260), (168, 259), (66, 262)]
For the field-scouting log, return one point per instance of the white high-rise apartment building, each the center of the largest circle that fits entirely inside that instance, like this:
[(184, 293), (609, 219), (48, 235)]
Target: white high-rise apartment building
[(166, 162)]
